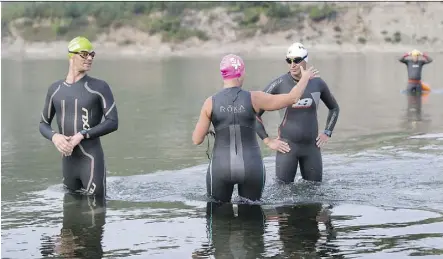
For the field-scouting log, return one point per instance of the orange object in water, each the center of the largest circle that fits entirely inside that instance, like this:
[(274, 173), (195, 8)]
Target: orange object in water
[(425, 87)]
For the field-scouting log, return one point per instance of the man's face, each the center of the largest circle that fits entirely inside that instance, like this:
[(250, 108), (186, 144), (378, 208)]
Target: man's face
[(294, 64), (82, 61), (415, 58)]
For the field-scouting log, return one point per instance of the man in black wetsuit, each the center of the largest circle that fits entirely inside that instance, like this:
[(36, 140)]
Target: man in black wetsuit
[(299, 127), (414, 61), (80, 102), (236, 154)]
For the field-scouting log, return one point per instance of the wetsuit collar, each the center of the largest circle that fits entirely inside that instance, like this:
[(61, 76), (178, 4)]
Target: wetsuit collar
[(236, 86), (81, 80), (293, 79)]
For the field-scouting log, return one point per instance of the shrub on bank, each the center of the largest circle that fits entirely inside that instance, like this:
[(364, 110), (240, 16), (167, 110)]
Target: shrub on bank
[(63, 20)]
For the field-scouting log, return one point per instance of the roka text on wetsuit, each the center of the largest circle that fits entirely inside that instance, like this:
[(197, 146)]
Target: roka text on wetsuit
[(300, 128), (80, 107), (236, 155)]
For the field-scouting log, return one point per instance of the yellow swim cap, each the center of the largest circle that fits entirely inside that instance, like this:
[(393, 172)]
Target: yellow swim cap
[(415, 52), (79, 44)]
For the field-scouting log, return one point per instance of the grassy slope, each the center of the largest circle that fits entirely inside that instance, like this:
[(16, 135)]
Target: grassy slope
[(50, 21)]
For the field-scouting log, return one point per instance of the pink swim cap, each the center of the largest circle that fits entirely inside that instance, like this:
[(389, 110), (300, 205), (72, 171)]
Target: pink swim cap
[(232, 66)]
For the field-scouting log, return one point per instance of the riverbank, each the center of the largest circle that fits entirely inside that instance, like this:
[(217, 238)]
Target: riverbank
[(344, 27), (253, 48)]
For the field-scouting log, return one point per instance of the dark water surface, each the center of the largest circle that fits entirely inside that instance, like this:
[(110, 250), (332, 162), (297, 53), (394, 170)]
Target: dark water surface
[(382, 195)]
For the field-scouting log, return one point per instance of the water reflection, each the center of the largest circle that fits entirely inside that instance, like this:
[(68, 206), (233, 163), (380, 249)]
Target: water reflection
[(82, 231), (300, 233), (415, 101), (240, 233), (415, 119), (234, 233)]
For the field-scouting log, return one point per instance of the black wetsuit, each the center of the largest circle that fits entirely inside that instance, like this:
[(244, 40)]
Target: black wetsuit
[(82, 231), (300, 128), (233, 236), (414, 73), (414, 88), (236, 156), (82, 106)]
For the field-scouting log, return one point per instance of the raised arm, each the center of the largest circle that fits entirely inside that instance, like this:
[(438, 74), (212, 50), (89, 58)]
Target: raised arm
[(109, 109), (272, 88), (403, 58), (427, 59), (203, 123), (269, 102)]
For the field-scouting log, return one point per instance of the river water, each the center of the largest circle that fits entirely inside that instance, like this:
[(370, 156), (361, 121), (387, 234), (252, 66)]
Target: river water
[(381, 196)]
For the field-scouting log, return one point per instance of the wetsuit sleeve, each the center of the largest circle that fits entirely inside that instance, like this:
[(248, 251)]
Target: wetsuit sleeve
[(47, 116), (109, 108), (427, 59), (403, 59), (272, 88), (334, 109)]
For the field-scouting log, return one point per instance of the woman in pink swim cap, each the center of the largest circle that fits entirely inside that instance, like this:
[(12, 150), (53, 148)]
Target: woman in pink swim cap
[(236, 156)]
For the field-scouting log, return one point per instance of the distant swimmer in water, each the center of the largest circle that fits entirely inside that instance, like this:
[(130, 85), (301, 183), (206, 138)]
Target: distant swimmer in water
[(236, 155), (415, 60), (80, 102), (299, 126)]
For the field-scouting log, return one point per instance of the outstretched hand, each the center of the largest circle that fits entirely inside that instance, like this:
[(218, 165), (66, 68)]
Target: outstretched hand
[(311, 72)]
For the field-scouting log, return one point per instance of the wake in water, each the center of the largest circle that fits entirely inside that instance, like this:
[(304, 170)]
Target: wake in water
[(405, 175), (437, 136), (397, 175), (389, 194)]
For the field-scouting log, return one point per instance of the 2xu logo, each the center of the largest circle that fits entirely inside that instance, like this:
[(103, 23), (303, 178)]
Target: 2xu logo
[(85, 119), (92, 189)]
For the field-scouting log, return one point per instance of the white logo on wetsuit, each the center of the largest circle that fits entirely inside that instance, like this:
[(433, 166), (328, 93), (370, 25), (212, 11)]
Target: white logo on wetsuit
[(232, 109), (85, 119), (235, 63), (92, 188), (303, 103)]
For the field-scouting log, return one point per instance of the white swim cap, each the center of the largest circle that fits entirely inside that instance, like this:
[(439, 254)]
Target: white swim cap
[(297, 50)]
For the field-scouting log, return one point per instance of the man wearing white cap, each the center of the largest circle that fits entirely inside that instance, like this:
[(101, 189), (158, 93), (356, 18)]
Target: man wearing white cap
[(298, 140)]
